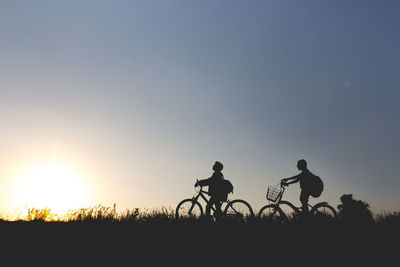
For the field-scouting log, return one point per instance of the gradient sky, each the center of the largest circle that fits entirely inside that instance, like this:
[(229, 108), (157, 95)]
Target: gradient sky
[(141, 97)]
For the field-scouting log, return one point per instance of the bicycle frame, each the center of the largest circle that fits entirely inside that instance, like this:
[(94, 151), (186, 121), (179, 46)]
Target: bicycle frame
[(201, 194), (281, 207), (297, 209), (236, 207)]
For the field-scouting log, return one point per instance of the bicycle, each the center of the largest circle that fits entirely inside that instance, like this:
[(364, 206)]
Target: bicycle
[(191, 207), (279, 209)]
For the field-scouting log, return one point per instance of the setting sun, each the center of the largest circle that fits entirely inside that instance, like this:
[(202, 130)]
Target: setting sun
[(52, 185)]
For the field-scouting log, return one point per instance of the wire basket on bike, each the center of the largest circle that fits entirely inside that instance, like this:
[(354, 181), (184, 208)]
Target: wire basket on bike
[(273, 193)]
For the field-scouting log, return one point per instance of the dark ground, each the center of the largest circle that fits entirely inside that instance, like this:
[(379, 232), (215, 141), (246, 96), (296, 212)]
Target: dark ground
[(153, 244)]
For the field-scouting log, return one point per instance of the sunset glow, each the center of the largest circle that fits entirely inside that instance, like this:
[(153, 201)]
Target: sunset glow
[(52, 186)]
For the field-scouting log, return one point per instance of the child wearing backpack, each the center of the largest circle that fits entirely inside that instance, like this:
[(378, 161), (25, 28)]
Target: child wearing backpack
[(215, 189), (310, 184)]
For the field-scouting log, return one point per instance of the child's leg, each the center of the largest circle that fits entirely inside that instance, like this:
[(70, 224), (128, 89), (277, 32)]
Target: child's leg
[(218, 211), (304, 195), (209, 205)]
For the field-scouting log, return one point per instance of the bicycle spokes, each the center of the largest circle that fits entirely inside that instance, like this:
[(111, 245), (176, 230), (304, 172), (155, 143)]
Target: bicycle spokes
[(272, 213), (189, 208), (238, 208), (323, 210)]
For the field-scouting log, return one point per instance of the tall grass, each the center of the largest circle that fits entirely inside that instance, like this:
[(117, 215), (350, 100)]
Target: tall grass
[(164, 215)]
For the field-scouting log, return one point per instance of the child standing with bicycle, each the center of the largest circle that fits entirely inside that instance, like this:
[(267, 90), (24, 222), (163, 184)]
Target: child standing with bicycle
[(214, 183)]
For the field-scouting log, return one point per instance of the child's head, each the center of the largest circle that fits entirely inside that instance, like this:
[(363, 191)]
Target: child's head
[(218, 166), (302, 164)]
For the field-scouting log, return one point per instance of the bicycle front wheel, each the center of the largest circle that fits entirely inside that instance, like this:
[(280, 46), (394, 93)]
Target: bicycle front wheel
[(272, 213), (188, 208), (238, 208), (288, 209), (323, 210)]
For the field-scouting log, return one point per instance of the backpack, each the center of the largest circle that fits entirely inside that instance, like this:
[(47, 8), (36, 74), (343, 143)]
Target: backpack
[(225, 187), (316, 186)]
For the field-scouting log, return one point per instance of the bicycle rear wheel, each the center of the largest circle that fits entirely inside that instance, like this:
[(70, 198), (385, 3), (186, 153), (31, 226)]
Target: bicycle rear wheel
[(188, 208), (239, 209), (272, 213), (323, 210)]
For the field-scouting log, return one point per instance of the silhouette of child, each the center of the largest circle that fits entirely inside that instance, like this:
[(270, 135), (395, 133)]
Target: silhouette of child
[(213, 189), (304, 178)]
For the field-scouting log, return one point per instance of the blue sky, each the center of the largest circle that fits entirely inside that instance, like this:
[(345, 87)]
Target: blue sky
[(143, 96)]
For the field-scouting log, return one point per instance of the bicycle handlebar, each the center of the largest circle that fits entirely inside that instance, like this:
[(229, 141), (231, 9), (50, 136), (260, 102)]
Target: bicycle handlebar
[(201, 186), (197, 184)]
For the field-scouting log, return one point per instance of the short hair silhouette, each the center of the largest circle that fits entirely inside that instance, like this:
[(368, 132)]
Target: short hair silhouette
[(302, 164), (218, 166)]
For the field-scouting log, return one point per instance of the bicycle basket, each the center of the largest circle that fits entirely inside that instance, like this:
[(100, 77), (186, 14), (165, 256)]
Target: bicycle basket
[(273, 193)]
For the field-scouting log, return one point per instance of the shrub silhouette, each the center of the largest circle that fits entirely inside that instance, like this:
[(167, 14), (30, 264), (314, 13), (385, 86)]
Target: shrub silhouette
[(354, 211)]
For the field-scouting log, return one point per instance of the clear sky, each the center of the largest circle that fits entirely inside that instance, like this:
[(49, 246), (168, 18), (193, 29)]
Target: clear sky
[(139, 98)]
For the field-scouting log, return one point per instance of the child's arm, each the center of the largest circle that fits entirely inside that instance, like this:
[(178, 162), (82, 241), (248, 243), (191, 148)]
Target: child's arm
[(291, 180), (203, 182)]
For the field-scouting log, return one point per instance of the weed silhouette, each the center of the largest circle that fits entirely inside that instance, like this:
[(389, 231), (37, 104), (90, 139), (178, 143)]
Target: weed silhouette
[(35, 214), (354, 211)]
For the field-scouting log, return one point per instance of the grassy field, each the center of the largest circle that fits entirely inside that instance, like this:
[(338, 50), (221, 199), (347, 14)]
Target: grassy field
[(104, 214), (156, 234)]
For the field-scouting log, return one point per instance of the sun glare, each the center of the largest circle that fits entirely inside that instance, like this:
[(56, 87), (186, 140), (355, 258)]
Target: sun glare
[(51, 186)]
